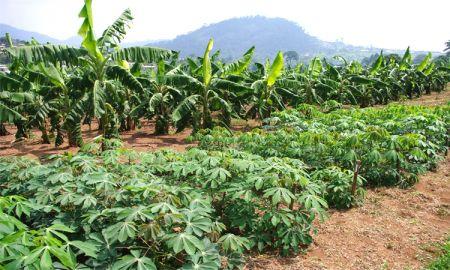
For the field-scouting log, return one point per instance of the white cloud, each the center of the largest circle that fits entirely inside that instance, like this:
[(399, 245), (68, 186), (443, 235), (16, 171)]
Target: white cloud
[(382, 23)]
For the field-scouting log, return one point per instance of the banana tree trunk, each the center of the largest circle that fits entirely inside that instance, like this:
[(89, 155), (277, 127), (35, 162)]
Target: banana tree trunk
[(56, 126), (226, 116), (110, 127), (100, 125), (162, 125), (131, 125), (74, 136), (3, 131), (72, 140), (59, 139), (44, 136), (21, 130), (207, 119), (87, 121)]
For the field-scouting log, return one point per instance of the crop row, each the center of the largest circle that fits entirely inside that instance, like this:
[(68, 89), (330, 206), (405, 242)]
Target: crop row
[(118, 209), (389, 146)]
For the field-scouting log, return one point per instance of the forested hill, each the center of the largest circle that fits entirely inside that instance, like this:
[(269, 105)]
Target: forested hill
[(26, 35), (235, 36), (20, 34)]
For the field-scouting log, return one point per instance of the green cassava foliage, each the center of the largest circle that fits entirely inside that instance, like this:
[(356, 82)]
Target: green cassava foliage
[(393, 144), (119, 209), (443, 260)]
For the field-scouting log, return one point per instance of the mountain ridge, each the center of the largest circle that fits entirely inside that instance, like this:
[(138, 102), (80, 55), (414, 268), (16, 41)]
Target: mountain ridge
[(234, 36), (25, 35)]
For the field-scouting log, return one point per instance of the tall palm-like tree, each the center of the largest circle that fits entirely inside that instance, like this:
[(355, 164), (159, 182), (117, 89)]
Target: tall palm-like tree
[(100, 72)]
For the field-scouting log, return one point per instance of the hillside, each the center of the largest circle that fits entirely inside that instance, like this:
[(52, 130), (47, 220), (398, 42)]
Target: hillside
[(25, 35), (235, 36), (20, 34)]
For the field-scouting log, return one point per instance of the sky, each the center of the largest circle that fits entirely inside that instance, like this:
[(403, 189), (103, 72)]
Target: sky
[(390, 24)]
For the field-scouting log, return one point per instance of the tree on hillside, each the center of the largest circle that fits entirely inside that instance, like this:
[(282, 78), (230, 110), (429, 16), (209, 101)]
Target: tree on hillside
[(394, 57), (419, 58), (447, 48), (291, 56)]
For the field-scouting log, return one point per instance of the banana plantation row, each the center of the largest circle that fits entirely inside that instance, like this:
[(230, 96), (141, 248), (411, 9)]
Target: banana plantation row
[(56, 88)]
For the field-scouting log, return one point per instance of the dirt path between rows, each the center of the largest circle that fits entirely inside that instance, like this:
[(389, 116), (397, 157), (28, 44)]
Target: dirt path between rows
[(432, 99), (140, 139)]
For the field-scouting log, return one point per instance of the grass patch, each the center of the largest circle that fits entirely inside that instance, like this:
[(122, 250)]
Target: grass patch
[(443, 261)]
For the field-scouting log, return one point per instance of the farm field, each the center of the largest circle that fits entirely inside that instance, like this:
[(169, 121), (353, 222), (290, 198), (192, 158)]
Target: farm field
[(135, 158), (144, 139), (393, 228)]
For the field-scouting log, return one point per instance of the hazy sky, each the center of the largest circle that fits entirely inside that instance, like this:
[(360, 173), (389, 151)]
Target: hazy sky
[(395, 24)]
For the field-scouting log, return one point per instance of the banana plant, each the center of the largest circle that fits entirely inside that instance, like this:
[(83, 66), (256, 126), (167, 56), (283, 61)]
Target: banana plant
[(310, 80), (266, 95), (108, 63), (202, 96), (104, 64), (160, 98), (33, 91), (235, 86), (101, 81), (335, 85), (239, 66), (9, 111)]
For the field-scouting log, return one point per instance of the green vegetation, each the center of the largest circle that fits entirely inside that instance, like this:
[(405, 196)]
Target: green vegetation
[(108, 207), (6, 42), (101, 208), (443, 261), (64, 86), (391, 145)]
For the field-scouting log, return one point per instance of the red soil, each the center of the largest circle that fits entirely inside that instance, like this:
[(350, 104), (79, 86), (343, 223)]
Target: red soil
[(140, 139)]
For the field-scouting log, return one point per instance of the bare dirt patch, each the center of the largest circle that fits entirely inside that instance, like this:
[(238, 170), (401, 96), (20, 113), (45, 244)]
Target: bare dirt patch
[(433, 99), (140, 139), (394, 229)]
